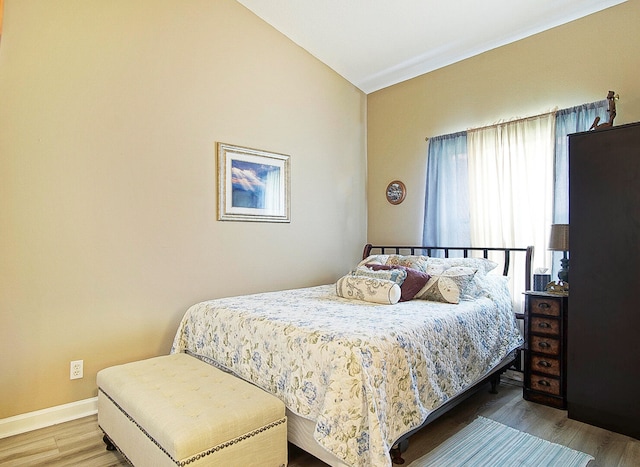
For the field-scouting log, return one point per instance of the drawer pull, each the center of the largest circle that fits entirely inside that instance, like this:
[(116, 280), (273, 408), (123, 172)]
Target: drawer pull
[(544, 345), (544, 305), (543, 382), (542, 324), (544, 363)]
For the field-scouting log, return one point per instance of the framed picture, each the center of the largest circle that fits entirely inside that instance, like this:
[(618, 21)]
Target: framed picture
[(253, 185)]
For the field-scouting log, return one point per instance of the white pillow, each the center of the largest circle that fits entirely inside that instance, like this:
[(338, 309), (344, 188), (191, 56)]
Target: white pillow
[(482, 265)]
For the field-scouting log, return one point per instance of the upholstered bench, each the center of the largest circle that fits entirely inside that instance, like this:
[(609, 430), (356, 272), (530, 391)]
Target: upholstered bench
[(178, 410)]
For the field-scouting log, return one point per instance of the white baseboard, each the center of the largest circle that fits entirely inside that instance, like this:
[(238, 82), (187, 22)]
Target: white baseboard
[(47, 417)]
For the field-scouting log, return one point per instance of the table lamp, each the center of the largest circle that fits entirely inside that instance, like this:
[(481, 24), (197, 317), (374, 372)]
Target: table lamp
[(559, 241)]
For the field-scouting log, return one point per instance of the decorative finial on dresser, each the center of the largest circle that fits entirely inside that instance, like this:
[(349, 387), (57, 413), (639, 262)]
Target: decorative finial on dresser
[(596, 125)]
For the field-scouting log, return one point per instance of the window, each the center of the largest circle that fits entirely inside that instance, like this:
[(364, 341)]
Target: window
[(505, 184)]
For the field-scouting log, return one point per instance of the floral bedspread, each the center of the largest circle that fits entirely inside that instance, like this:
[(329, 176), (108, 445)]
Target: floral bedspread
[(365, 373)]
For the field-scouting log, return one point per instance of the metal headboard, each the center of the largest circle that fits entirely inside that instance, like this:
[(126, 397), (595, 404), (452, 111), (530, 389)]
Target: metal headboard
[(429, 250)]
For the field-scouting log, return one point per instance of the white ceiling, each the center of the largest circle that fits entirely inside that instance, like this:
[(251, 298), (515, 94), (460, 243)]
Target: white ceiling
[(378, 43)]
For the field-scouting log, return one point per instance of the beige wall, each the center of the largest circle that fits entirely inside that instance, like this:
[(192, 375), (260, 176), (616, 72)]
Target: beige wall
[(109, 115), (569, 65)]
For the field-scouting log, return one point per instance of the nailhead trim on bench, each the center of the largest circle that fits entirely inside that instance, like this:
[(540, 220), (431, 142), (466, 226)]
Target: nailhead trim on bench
[(202, 454)]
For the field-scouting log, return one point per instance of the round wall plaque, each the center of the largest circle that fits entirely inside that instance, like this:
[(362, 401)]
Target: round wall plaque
[(396, 191)]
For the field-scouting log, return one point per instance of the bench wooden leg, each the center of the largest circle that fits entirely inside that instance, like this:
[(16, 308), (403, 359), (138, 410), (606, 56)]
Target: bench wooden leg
[(107, 441)]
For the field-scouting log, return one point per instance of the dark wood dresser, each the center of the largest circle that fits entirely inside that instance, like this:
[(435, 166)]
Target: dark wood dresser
[(603, 372), (545, 349)]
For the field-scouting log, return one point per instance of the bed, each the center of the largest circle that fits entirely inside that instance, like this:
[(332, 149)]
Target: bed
[(358, 377)]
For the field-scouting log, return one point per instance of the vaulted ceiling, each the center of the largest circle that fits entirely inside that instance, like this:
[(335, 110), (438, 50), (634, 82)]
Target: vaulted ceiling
[(378, 43)]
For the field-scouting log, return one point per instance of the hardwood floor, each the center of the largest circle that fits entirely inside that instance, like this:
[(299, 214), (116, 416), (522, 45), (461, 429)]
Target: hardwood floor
[(80, 443)]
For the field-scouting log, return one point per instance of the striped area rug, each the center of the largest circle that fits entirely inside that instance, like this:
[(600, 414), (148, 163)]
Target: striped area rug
[(486, 443)]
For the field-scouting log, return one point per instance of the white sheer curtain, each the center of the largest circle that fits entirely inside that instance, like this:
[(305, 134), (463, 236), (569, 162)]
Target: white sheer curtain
[(511, 179)]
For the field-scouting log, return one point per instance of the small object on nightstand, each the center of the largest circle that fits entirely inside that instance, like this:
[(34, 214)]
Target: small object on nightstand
[(557, 288), (541, 279)]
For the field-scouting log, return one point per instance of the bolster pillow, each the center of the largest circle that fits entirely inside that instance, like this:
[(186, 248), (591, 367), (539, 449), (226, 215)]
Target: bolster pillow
[(368, 289)]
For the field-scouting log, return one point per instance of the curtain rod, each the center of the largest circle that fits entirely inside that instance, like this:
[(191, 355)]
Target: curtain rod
[(509, 121), (615, 97)]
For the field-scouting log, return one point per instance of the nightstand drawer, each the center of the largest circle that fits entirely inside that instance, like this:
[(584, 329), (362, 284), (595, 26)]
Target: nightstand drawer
[(545, 345), (545, 306), (548, 326), (548, 385), (548, 365)]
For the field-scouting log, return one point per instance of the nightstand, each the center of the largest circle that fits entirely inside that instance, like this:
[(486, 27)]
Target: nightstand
[(545, 349)]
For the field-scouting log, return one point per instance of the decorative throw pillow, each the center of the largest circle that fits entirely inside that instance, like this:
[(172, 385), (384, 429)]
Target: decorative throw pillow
[(394, 275), (368, 289), (447, 287), (413, 283)]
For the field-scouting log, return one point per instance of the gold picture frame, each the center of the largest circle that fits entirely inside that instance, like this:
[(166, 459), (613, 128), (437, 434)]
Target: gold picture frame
[(253, 185)]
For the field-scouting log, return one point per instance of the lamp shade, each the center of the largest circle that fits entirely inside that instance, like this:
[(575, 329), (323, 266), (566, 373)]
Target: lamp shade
[(559, 238)]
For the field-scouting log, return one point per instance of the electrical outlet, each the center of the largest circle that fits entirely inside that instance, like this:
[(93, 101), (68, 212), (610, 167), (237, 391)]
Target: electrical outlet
[(76, 369)]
